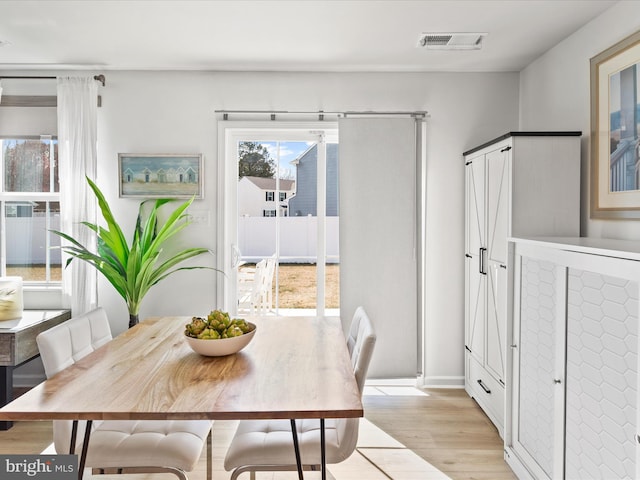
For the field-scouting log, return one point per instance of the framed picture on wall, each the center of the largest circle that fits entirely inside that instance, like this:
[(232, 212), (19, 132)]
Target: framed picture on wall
[(160, 175), (615, 131)]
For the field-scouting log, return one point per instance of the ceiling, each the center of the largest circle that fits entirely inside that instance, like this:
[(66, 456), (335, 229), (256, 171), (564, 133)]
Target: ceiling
[(302, 35)]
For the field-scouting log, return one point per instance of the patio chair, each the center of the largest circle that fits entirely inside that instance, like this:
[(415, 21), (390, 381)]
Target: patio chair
[(250, 287), (267, 445), (120, 446), (255, 286), (266, 294)]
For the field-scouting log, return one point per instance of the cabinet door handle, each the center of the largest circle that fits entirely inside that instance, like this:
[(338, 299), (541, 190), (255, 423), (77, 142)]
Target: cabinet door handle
[(481, 252), (557, 381), (484, 387)]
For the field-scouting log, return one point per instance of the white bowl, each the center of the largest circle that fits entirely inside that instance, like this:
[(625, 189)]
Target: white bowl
[(220, 346)]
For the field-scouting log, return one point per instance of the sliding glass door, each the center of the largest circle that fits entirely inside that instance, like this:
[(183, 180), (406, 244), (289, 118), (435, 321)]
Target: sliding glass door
[(280, 222)]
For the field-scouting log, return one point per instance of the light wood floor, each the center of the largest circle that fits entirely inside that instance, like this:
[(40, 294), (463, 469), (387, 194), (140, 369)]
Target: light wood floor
[(407, 434)]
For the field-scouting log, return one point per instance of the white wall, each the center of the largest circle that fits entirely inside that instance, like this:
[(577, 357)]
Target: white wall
[(555, 95), (156, 112), (466, 111), (141, 113)]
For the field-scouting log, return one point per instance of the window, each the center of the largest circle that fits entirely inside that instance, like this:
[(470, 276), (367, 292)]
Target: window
[(270, 196), (268, 213), (30, 206), (283, 196)]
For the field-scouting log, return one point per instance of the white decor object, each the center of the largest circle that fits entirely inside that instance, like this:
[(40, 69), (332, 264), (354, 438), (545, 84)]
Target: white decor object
[(522, 183), (572, 384), (11, 303)]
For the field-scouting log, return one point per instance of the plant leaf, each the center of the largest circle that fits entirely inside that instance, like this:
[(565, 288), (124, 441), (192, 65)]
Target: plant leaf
[(133, 270)]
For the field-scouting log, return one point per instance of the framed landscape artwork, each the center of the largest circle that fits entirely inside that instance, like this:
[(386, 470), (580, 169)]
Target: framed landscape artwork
[(160, 175), (615, 131)]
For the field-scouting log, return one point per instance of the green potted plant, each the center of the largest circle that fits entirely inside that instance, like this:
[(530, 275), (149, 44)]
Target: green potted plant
[(133, 270)]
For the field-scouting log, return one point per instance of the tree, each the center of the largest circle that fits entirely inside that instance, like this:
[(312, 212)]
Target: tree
[(27, 165), (255, 161)]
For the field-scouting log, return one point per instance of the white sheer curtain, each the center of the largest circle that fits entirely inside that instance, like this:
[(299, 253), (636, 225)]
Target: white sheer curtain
[(77, 138)]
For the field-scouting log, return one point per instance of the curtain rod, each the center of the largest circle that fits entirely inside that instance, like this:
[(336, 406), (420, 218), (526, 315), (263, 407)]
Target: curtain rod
[(322, 113), (100, 78)]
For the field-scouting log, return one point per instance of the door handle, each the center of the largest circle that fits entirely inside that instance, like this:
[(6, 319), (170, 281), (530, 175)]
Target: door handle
[(481, 253), (484, 387), (236, 255)]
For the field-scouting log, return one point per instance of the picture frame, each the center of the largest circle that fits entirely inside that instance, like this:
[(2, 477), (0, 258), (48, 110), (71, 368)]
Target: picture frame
[(160, 175), (615, 131)]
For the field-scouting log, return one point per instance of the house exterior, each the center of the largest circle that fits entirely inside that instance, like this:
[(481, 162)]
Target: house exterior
[(304, 201), (257, 196)]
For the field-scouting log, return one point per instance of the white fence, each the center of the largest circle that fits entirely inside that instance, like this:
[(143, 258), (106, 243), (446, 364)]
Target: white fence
[(26, 241), (298, 237), (256, 238)]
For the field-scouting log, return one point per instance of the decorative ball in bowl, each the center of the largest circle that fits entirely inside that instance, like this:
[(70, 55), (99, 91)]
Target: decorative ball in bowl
[(218, 334)]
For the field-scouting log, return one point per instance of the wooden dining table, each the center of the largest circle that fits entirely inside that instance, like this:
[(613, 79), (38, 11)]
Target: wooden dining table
[(294, 368)]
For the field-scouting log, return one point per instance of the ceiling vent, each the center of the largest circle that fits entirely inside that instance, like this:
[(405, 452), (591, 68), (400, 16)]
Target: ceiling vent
[(451, 41)]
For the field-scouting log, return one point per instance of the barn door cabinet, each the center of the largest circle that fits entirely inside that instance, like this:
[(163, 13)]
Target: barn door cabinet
[(523, 183), (572, 403)]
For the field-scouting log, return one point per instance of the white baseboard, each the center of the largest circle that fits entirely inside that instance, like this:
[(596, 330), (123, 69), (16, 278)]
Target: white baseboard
[(441, 382), (420, 382), (391, 382)]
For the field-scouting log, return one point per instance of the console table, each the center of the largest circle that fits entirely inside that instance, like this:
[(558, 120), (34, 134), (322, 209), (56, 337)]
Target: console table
[(18, 346)]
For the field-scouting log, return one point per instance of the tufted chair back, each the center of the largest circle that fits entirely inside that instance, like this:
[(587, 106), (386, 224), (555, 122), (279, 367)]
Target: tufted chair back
[(360, 341), (66, 343), (61, 347)]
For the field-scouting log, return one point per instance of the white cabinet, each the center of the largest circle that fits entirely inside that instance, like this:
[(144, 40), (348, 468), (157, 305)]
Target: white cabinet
[(572, 403), (523, 183)]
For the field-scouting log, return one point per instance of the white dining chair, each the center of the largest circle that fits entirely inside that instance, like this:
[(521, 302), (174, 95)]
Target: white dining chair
[(267, 445), (120, 446)]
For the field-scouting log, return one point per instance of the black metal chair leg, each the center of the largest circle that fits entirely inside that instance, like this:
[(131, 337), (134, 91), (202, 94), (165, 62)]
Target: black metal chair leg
[(296, 446), (85, 447), (323, 451), (74, 434)]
